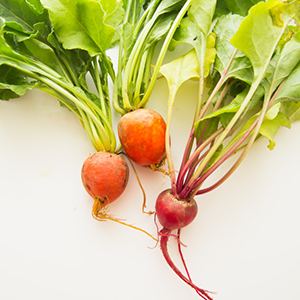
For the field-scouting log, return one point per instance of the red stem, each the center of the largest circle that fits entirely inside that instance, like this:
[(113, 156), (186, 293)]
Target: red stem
[(224, 158), (189, 144), (164, 247), (239, 160), (190, 189), (192, 162)]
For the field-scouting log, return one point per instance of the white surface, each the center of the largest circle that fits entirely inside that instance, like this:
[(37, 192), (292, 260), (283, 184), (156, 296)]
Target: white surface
[(244, 243)]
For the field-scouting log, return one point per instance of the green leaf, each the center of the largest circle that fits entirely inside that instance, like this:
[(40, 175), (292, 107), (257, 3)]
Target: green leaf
[(81, 24), (283, 63), (78, 61), (232, 107), (240, 7), (290, 89), (38, 42), (114, 12), (210, 53), (272, 112), (13, 83), (177, 73), (270, 127), (262, 21), (167, 6), (289, 58), (34, 58), (226, 112), (221, 9), (187, 32), (37, 5), (240, 67), (7, 55), (204, 130), (129, 27), (291, 110), (201, 13), (159, 30), (194, 30), (136, 71), (43, 53), (23, 15)]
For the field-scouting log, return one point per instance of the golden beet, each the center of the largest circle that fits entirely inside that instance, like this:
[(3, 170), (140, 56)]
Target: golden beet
[(142, 135)]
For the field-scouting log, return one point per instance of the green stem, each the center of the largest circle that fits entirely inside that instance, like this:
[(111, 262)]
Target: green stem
[(201, 55), (68, 69), (171, 168), (100, 134), (142, 20), (55, 78), (163, 52), (139, 80), (98, 84), (132, 63), (147, 73), (118, 81), (202, 112), (79, 113)]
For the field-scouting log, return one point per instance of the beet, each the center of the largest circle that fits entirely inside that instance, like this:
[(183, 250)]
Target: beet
[(105, 176), (173, 213), (142, 135)]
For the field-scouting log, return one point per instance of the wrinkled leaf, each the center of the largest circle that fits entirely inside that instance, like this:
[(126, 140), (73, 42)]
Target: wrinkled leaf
[(82, 24), (260, 22), (22, 16), (290, 89), (159, 30), (240, 67), (272, 112), (291, 110), (13, 83), (240, 7), (203, 130), (201, 13), (177, 73), (282, 63), (270, 127)]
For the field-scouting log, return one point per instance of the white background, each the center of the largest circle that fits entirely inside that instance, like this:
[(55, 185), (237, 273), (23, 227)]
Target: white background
[(244, 243)]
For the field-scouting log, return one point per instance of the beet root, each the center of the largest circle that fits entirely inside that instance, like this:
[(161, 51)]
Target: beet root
[(173, 213), (165, 234), (142, 135), (105, 176)]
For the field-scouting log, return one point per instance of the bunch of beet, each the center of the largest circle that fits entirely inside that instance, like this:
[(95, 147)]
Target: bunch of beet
[(227, 121), (246, 62)]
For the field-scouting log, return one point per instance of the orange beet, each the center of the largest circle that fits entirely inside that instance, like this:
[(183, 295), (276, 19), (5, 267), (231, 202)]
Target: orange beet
[(105, 176), (142, 135)]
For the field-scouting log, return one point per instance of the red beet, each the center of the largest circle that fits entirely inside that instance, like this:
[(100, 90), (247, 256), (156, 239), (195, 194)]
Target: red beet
[(173, 213)]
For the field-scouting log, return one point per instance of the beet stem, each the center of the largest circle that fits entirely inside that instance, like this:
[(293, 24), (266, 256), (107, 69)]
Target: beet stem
[(188, 148)]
